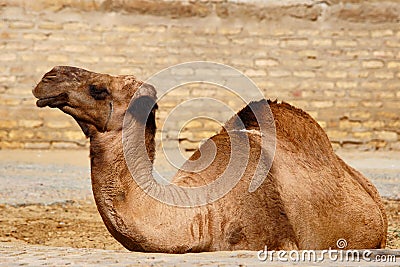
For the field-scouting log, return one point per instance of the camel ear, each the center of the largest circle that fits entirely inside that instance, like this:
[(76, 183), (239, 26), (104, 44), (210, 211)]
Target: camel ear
[(143, 108)]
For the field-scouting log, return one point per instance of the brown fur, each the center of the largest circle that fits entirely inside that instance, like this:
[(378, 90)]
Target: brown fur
[(309, 199)]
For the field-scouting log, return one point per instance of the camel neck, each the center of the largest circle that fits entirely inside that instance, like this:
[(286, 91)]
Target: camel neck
[(117, 196), (117, 165), (129, 213)]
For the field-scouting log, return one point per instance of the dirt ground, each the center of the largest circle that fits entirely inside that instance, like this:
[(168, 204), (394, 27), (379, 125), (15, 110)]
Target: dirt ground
[(79, 225)]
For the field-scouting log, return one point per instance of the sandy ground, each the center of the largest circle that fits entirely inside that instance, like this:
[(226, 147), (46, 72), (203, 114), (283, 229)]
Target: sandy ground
[(46, 199), (393, 213), (75, 225)]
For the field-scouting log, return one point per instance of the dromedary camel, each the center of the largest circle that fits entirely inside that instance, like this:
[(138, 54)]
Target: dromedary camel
[(309, 199)]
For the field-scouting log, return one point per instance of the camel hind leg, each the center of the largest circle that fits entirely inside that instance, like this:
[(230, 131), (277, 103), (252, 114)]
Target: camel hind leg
[(373, 192)]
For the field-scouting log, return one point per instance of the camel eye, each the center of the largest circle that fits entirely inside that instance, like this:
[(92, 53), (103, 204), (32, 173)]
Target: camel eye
[(98, 93)]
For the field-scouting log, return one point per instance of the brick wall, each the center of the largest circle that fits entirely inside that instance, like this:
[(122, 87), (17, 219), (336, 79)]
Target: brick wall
[(338, 61)]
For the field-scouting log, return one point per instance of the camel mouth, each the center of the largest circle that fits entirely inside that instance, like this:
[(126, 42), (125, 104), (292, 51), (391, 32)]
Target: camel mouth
[(53, 101)]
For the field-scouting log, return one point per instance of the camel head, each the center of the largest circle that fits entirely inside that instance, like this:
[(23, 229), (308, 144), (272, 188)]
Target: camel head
[(98, 102)]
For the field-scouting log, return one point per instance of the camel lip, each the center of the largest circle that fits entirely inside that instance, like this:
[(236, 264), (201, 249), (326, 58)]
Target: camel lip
[(53, 101)]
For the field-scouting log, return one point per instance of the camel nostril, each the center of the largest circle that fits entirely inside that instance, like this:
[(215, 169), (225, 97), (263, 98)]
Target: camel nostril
[(52, 74), (49, 77)]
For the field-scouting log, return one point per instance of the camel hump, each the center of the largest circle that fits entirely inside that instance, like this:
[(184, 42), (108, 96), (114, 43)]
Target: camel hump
[(246, 118), (266, 107)]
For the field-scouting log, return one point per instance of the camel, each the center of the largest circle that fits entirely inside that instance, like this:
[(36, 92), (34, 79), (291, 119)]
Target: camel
[(309, 199)]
